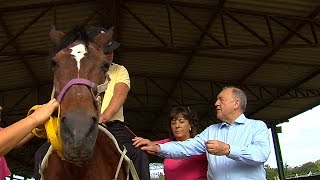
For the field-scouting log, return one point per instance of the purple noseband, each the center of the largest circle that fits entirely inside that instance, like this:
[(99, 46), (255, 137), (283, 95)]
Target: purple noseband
[(72, 82)]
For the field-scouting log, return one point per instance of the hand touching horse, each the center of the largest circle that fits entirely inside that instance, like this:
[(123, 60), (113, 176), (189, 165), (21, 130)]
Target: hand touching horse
[(79, 67)]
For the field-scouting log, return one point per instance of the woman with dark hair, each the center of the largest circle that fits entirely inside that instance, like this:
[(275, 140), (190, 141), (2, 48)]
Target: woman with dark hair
[(182, 116), (183, 124)]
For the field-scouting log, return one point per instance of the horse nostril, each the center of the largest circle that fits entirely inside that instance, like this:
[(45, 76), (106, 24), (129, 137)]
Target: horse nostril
[(95, 119), (65, 126), (62, 119)]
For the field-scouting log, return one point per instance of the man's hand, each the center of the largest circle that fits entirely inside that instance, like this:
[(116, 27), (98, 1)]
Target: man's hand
[(103, 118), (217, 148), (146, 145)]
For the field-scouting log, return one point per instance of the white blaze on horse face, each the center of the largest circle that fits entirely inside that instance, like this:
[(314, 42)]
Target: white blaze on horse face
[(78, 52)]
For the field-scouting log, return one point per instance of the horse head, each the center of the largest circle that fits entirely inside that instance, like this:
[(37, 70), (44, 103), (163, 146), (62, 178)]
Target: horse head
[(79, 64)]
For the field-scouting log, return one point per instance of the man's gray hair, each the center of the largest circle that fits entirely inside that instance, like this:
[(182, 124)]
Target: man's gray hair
[(239, 94)]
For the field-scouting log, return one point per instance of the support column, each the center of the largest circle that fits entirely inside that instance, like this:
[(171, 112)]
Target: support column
[(277, 151)]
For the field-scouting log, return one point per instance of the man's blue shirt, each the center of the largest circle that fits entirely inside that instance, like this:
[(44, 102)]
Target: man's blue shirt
[(249, 149)]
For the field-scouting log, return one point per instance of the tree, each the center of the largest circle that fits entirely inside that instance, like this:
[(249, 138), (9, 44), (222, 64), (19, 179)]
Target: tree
[(271, 172), (304, 169)]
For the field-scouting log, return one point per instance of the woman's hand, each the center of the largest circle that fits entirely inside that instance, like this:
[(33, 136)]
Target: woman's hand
[(41, 115)]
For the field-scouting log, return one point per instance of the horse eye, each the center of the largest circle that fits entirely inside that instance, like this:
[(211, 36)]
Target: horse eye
[(53, 63), (105, 66)]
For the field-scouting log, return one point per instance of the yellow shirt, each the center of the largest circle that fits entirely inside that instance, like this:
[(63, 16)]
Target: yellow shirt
[(117, 74)]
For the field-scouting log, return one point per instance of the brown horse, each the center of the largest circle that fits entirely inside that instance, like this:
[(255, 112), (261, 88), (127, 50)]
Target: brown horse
[(79, 65)]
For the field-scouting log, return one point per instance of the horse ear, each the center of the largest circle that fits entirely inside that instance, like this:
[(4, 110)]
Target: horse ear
[(103, 37), (56, 36)]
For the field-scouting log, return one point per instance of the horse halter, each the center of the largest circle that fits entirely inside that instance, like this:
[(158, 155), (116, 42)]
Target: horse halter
[(96, 91), (52, 126)]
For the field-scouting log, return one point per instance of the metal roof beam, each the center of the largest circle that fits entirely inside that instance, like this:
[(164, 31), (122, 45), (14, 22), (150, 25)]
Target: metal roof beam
[(259, 92), (205, 31), (163, 90), (178, 49), (189, 60), (21, 58), (21, 7), (165, 44), (170, 25), (204, 48), (34, 20), (195, 90), (247, 28), (15, 105), (277, 47), (291, 30), (216, 6), (284, 92)]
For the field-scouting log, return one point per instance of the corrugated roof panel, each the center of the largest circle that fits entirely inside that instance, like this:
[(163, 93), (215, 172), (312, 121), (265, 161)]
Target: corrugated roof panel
[(314, 83), (284, 7), (216, 69), (156, 63), (39, 30), (185, 33), (285, 108), (149, 85), (202, 2), (302, 56), (134, 34), (249, 55), (156, 19), (19, 20), (287, 75), (14, 3), (26, 99), (238, 35), (13, 74), (305, 32), (216, 31), (194, 92), (41, 68)]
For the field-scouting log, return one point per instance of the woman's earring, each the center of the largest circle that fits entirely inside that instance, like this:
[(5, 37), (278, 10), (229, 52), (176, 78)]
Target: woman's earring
[(189, 129)]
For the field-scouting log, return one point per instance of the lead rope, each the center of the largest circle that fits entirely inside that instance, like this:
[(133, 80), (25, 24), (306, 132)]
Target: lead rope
[(53, 90), (120, 163)]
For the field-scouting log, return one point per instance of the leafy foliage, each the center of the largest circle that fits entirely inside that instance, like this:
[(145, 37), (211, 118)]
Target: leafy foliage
[(304, 169)]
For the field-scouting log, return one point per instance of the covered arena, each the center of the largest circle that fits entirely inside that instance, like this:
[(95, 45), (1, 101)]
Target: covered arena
[(178, 52)]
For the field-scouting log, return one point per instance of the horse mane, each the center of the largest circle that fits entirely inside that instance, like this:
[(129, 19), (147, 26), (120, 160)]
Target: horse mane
[(77, 33)]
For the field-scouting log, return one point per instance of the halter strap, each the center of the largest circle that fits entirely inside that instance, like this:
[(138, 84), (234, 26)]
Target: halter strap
[(74, 82)]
